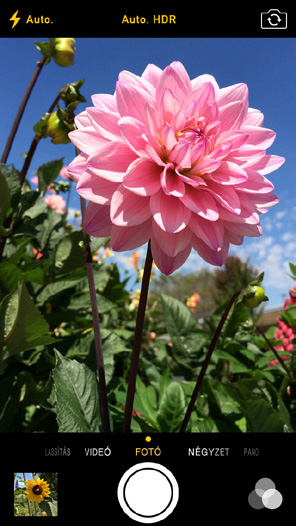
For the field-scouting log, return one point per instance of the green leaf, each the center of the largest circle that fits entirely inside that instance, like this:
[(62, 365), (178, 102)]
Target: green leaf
[(10, 187), (77, 407), (186, 335), (4, 195), (50, 508), (69, 255), (148, 399), (48, 172), (22, 325), (262, 406), (172, 409), (293, 270)]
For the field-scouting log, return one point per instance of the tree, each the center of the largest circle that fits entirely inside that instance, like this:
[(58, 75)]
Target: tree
[(235, 275)]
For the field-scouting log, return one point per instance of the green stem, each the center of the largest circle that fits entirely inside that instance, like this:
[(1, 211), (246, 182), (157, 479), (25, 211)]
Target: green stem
[(21, 110), (97, 332), (137, 342), (206, 362), (29, 505)]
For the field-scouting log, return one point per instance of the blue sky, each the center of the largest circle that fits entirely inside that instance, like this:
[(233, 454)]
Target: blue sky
[(266, 65), (29, 476)]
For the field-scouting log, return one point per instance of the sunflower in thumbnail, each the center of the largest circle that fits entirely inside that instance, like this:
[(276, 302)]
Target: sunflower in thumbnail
[(37, 489)]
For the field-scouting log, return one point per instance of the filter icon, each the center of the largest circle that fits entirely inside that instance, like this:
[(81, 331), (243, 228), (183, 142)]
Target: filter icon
[(265, 495)]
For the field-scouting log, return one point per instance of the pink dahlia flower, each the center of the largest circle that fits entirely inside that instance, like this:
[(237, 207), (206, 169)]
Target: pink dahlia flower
[(176, 161)]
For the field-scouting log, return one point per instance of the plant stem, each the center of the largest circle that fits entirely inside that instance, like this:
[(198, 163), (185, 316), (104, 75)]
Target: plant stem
[(23, 173), (137, 341), (97, 333), (29, 505), (33, 147), (21, 110), (276, 353), (207, 361)]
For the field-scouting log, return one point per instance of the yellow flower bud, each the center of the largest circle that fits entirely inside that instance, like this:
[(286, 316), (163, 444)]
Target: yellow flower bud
[(254, 297), (57, 130), (64, 51)]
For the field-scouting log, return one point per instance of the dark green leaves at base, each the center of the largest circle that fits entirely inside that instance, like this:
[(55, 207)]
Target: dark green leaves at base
[(22, 327), (77, 406)]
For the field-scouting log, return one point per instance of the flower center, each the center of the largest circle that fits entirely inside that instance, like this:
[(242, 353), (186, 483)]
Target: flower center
[(37, 490)]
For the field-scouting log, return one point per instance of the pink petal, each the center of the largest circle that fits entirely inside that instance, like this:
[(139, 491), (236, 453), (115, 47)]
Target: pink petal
[(87, 140), (134, 80), (105, 122), (171, 244), (232, 115), (132, 130), (111, 161), (168, 212), (233, 93), (211, 232), (128, 209), (229, 173), (268, 164), (77, 167), (152, 74), (244, 229), (181, 155), (234, 137), (130, 237), (254, 118), (97, 220), (203, 94), (260, 137), (205, 165), (201, 79), (95, 188), (211, 256), (105, 101), (256, 183), (201, 203), (132, 100), (166, 264), (175, 80), (143, 177), (171, 182), (225, 196)]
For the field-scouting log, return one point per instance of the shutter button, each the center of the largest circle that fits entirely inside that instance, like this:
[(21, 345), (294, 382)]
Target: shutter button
[(148, 492)]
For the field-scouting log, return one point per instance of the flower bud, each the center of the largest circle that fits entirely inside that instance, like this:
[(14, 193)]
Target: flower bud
[(254, 296), (64, 51), (58, 130)]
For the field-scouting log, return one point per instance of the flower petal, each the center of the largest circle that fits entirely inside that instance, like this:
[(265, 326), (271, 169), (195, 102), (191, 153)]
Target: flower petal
[(128, 209), (200, 202), (96, 189), (211, 232), (105, 122), (166, 264), (168, 212), (211, 256), (77, 167), (87, 140), (111, 161), (171, 244), (229, 173), (97, 220), (171, 182), (130, 237), (143, 177)]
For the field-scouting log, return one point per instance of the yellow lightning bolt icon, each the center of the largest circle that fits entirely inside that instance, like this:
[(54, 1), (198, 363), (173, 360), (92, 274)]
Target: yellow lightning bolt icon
[(14, 19)]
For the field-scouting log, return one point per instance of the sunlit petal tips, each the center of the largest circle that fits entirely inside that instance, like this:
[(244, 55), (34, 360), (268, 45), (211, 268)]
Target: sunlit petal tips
[(180, 162)]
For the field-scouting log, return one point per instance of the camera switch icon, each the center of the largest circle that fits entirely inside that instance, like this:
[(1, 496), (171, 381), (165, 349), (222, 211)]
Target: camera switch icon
[(274, 19)]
